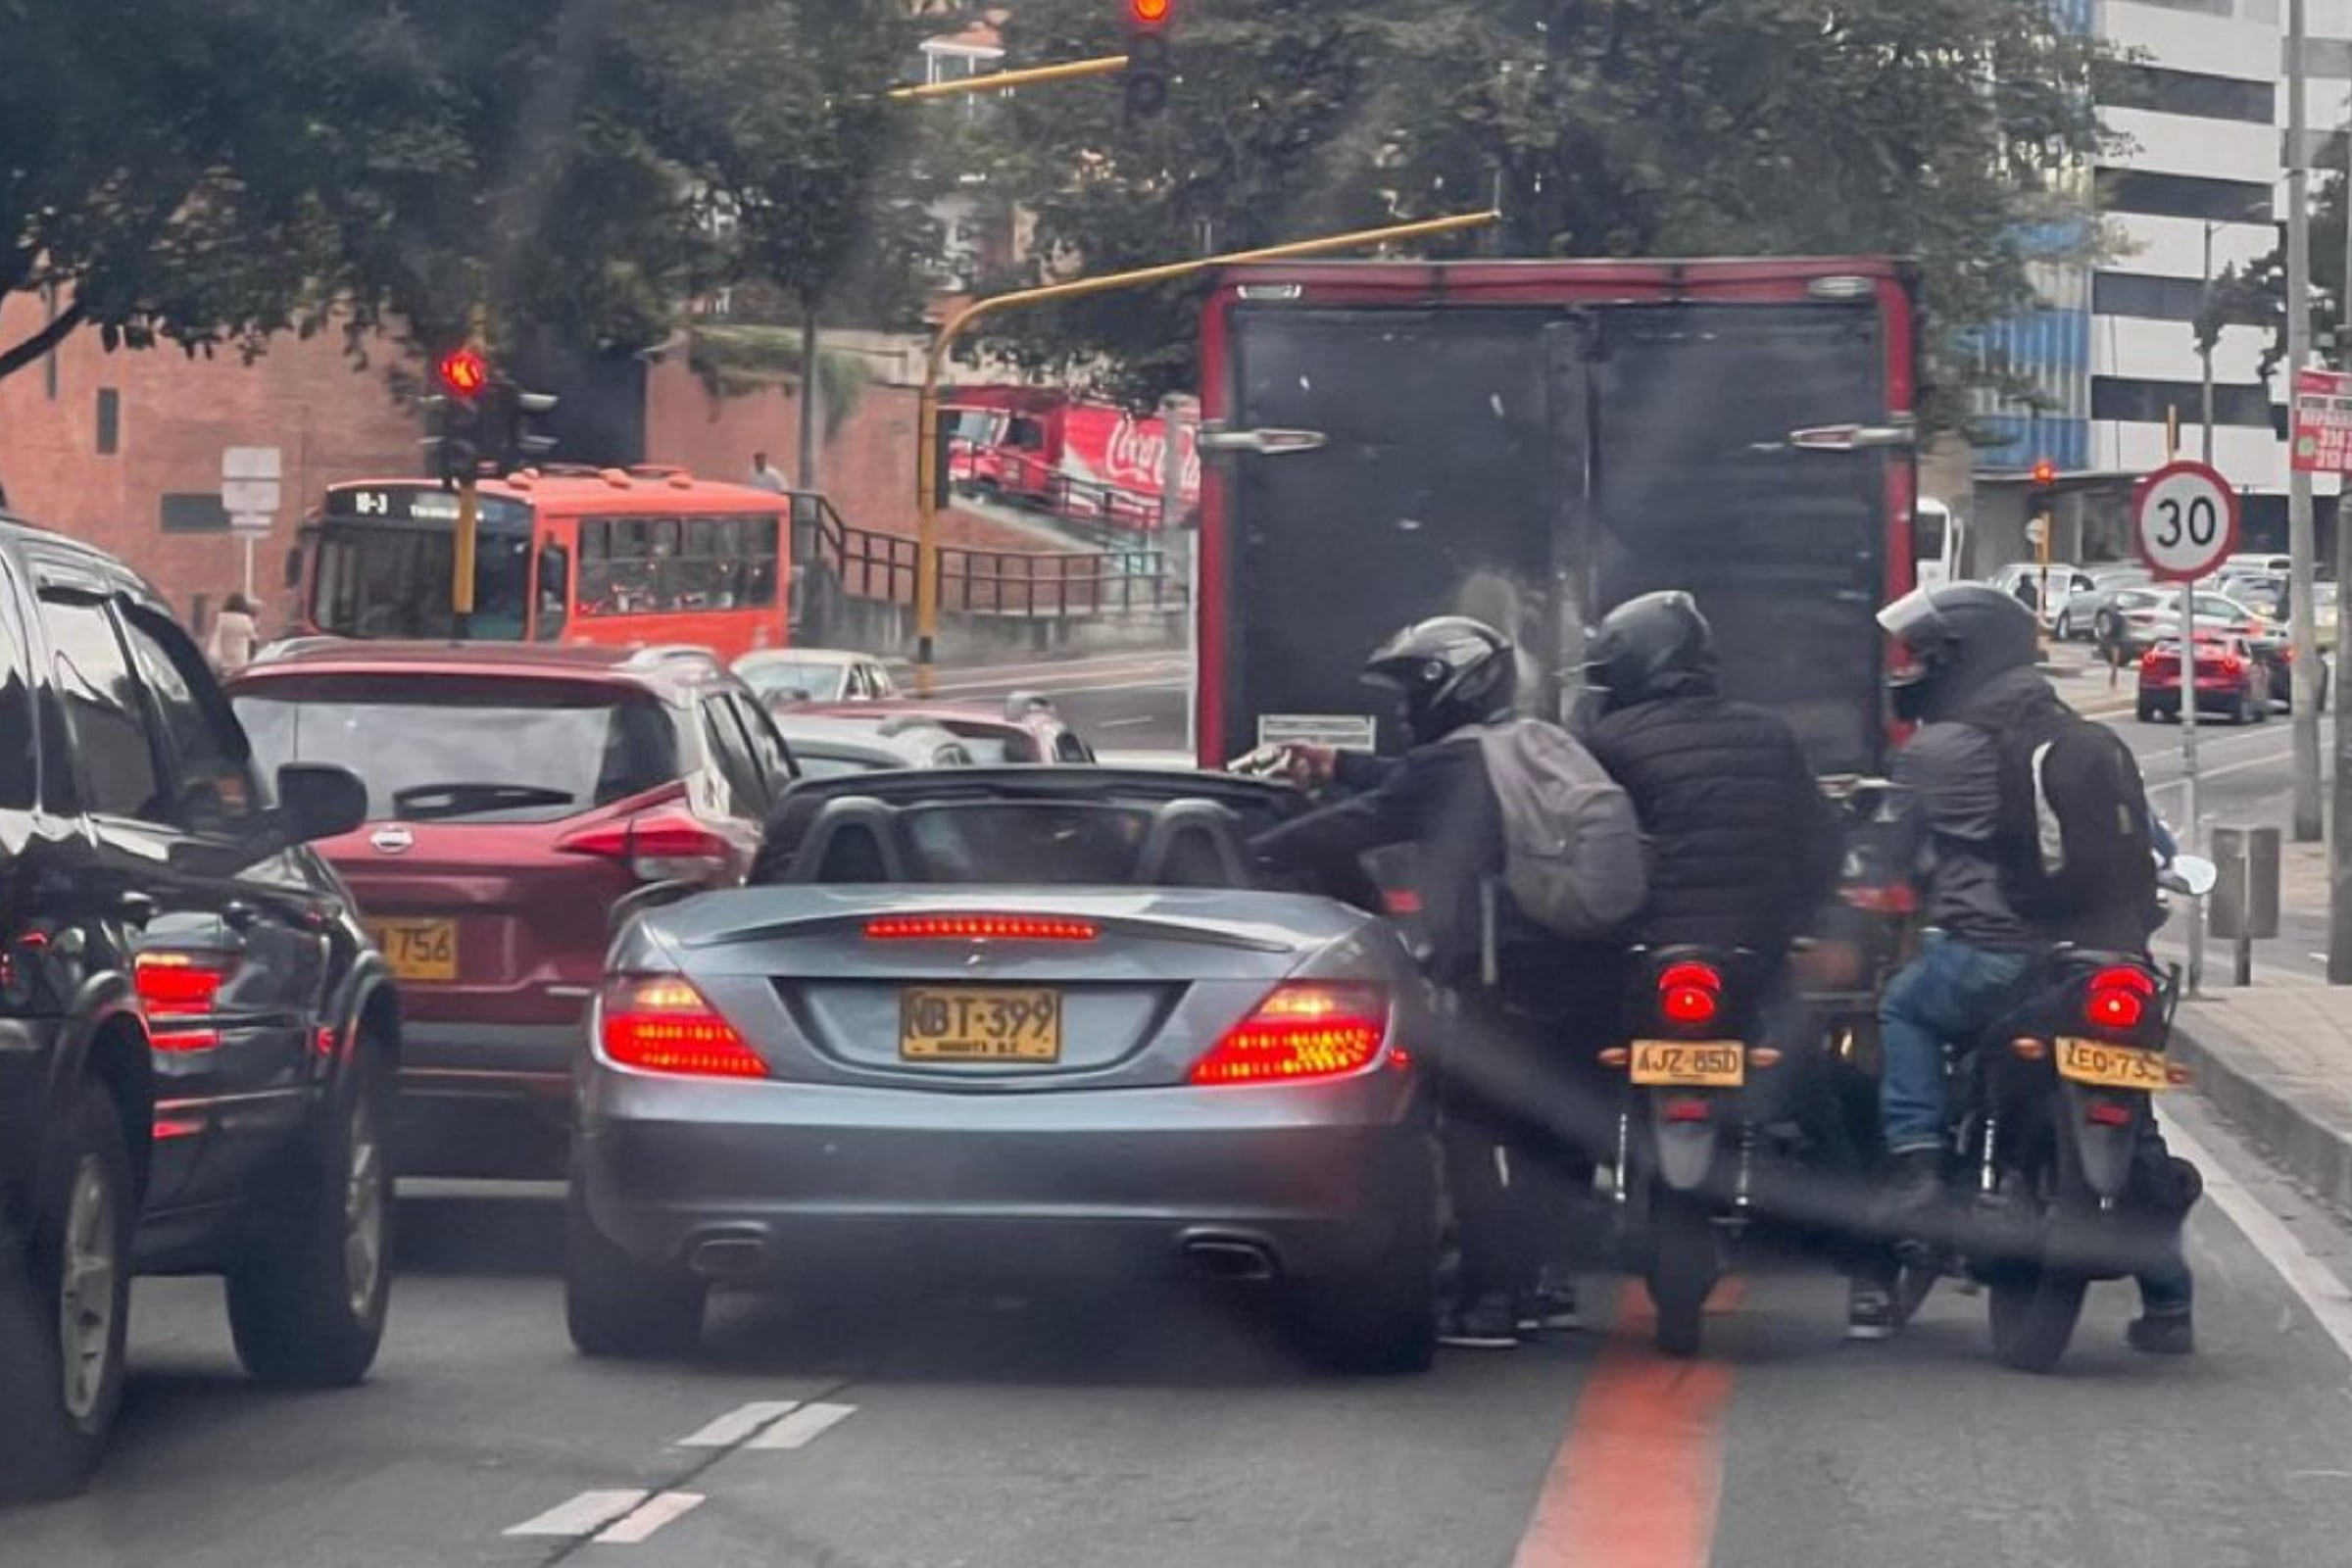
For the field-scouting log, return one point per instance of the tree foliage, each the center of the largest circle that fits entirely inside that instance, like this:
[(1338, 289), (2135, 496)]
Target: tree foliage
[(1958, 132), (214, 172)]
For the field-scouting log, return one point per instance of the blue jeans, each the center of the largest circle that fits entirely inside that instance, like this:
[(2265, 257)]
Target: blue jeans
[(1953, 991)]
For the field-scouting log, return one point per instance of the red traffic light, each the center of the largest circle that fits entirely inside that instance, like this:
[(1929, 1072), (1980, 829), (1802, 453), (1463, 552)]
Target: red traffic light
[(1149, 13), (2045, 472), (463, 373)]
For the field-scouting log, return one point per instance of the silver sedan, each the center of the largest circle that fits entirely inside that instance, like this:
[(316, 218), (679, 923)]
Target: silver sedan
[(1017, 1020)]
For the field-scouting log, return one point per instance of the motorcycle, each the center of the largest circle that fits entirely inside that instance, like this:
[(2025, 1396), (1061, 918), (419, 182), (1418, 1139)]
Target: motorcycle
[(1689, 1133), (2055, 1112)]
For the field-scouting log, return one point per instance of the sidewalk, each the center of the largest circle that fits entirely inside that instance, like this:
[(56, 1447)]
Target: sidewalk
[(2075, 671), (2277, 1059)]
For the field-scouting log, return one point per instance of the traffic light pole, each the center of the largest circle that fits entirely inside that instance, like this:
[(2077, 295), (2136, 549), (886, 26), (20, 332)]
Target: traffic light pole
[(1000, 80), (468, 535), (927, 454)]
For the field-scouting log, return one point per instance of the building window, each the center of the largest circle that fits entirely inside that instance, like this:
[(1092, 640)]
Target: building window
[(2149, 299), (110, 422), (2133, 401), (2220, 201), (2192, 93)]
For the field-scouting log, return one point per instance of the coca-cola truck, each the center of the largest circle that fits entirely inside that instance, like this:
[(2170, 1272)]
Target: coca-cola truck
[(1077, 459)]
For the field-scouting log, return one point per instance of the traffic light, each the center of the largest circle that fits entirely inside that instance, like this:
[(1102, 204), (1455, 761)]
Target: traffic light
[(461, 376), (1149, 63), (2045, 474), (511, 436)]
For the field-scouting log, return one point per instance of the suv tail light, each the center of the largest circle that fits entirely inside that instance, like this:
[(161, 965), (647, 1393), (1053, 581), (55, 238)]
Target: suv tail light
[(2117, 998), (663, 1024), (661, 846), (1691, 993), (1303, 1030), (177, 984)]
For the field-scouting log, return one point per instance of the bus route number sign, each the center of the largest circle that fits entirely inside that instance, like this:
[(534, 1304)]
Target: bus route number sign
[(2185, 520)]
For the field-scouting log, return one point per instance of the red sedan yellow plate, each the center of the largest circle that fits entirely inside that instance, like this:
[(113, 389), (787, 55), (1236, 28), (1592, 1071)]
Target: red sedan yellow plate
[(1690, 1063)]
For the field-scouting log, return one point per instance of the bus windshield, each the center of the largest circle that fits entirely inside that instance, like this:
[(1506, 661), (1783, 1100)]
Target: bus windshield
[(378, 581)]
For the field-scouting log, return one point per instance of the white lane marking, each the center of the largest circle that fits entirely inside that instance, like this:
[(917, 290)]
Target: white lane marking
[(590, 1510), (738, 1423), (2207, 773), (2305, 1275), (642, 1523), (1127, 723), (799, 1428)]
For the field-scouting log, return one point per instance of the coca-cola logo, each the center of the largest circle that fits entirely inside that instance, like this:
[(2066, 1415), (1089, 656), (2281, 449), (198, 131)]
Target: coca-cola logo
[(1136, 456)]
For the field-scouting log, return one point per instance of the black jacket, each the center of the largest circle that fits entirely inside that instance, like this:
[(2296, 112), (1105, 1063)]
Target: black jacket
[(1437, 799), (1743, 847)]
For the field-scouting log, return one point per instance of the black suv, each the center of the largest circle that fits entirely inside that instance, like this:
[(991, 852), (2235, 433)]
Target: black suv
[(196, 1042)]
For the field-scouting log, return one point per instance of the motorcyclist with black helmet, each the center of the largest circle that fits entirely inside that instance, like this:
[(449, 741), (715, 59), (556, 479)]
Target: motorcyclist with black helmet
[(1504, 1087), (1970, 674)]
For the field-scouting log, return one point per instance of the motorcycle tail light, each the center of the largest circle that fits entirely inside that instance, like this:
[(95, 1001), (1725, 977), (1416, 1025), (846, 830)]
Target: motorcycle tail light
[(1686, 1111), (1691, 993), (2108, 1113), (2117, 998)]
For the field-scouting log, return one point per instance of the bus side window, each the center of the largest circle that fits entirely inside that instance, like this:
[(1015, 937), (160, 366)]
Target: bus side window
[(761, 539), (695, 580), (596, 567), (554, 591)]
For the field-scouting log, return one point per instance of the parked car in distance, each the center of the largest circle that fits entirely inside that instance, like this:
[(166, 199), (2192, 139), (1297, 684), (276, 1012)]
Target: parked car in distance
[(787, 677), (2231, 680), (196, 1042), (826, 747), (516, 797), (2137, 617), (2022, 580), (1027, 728), (2078, 618)]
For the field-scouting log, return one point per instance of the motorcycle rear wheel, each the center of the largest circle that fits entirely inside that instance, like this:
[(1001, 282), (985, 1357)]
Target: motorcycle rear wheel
[(2034, 1307), (1683, 1264)]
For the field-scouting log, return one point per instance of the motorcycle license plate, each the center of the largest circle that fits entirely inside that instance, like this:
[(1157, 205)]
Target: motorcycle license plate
[(2090, 1061), (1690, 1063)]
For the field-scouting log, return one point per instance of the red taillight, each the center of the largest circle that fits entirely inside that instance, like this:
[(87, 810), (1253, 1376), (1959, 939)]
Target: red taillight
[(1306, 1029), (979, 928), (1401, 900), (664, 1025), (2107, 1113), (664, 846), (1682, 1111), (2117, 998), (2232, 664), (177, 984), (1690, 993)]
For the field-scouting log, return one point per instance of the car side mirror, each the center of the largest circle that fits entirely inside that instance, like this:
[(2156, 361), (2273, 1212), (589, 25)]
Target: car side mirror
[(2191, 874), (319, 800)]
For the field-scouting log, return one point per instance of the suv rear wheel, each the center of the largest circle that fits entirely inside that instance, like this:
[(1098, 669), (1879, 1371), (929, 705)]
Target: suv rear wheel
[(307, 1308), (62, 1315)]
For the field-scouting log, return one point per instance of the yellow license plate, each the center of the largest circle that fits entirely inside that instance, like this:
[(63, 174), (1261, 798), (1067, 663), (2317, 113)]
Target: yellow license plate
[(979, 1024), (418, 950), (1691, 1064), (2089, 1061)]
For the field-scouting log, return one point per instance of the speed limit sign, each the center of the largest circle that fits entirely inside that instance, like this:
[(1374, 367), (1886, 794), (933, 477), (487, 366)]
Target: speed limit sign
[(2184, 517)]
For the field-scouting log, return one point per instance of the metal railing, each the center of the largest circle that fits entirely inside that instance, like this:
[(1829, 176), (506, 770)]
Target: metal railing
[(832, 557), (1093, 507)]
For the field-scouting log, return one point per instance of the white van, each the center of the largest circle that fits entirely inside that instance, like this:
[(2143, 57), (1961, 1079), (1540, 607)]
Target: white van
[(1937, 540)]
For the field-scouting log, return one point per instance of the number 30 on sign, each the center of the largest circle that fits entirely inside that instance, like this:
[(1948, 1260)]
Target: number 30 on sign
[(2184, 517)]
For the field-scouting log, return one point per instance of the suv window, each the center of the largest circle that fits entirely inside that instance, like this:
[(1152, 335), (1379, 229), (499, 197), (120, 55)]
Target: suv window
[(103, 709), (467, 748), (768, 750), (211, 785), (733, 754)]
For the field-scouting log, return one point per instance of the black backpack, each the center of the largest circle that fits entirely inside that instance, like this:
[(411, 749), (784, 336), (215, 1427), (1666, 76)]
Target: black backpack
[(2080, 859)]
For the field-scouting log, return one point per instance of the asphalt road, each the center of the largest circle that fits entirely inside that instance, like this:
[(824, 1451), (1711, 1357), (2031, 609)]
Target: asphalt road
[(1145, 1430)]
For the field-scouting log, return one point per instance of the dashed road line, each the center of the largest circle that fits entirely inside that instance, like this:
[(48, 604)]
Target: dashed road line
[(801, 1427), (738, 1423), (584, 1514), (649, 1517)]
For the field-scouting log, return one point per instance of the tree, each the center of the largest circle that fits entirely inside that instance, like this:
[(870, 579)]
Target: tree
[(204, 171), (1956, 132)]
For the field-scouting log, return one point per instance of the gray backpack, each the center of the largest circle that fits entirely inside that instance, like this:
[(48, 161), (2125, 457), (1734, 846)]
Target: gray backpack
[(1573, 859)]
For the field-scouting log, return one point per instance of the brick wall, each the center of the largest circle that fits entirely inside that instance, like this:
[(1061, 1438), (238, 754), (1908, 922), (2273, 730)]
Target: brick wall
[(175, 415)]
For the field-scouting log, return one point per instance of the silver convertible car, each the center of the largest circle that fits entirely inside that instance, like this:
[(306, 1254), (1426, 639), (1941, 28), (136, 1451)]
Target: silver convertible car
[(1011, 1021)]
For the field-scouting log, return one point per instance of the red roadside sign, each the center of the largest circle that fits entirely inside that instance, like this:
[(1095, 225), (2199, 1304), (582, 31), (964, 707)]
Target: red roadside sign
[(2322, 423)]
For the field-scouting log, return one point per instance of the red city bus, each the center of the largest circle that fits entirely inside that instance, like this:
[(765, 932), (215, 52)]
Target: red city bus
[(1536, 442), (623, 558)]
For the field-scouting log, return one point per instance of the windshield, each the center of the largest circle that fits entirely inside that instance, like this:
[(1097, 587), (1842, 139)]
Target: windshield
[(371, 581), (819, 761), (816, 682), (467, 749)]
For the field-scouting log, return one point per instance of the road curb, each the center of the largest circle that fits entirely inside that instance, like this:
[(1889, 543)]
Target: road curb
[(2316, 1153)]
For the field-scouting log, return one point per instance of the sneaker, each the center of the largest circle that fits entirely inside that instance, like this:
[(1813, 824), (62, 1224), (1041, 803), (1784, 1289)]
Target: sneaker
[(1550, 1309), (1869, 1311), (2166, 1333), (1486, 1324)]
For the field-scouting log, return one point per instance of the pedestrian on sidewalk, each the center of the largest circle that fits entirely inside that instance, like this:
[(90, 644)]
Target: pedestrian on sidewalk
[(766, 476), (235, 632)]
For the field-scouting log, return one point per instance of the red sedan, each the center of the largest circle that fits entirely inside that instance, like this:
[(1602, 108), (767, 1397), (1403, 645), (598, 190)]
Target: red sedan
[(2231, 680)]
